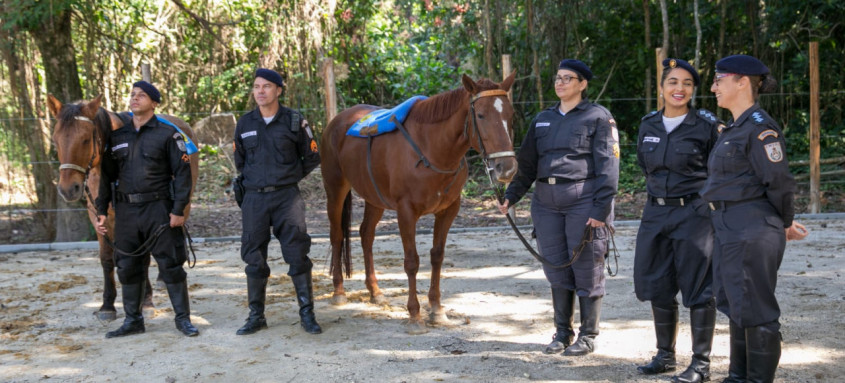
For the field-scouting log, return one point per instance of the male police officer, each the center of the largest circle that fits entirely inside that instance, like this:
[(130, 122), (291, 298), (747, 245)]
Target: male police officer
[(274, 149), (147, 158)]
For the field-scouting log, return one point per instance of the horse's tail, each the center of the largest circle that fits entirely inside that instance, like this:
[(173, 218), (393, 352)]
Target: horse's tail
[(346, 244)]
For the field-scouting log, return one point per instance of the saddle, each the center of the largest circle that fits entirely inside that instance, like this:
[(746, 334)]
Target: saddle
[(380, 121)]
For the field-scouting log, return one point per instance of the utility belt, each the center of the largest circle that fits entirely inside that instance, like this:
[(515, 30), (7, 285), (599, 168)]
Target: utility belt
[(557, 180), (141, 197), (679, 201), (724, 205), (268, 189)]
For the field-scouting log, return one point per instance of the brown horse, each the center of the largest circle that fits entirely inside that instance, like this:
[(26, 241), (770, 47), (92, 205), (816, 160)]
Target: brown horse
[(422, 173), (80, 136)]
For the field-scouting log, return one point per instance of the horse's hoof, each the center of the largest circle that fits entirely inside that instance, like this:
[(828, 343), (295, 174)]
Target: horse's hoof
[(378, 299), (106, 315), (440, 319), (339, 300), (416, 327)]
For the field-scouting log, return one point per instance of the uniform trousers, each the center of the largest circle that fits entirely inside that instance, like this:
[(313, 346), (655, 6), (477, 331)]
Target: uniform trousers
[(134, 224)]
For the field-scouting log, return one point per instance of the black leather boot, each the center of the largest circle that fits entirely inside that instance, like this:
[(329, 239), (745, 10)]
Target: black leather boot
[(702, 323), (590, 314), (737, 370), (178, 293), (256, 291), (305, 297), (134, 322), (666, 331), (563, 301), (763, 352)]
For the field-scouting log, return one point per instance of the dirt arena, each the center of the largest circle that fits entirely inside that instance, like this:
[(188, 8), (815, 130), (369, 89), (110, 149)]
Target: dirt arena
[(494, 292)]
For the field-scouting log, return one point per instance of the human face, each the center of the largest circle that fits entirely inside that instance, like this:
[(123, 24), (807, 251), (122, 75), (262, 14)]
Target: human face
[(568, 91), (140, 102), (726, 88), (678, 88), (265, 92)]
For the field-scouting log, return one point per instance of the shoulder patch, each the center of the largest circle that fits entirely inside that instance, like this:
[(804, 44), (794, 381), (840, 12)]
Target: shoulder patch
[(180, 141), (774, 151), (758, 117), (647, 116), (767, 133)]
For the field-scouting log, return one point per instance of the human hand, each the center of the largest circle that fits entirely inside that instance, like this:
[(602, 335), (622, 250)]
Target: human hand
[(503, 207), (101, 225), (595, 223), (176, 220), (796, 232)]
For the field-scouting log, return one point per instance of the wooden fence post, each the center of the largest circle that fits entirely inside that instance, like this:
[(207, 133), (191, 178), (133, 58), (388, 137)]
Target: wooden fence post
[(507, 68), (145, 72), (331, 90), (815, 128)]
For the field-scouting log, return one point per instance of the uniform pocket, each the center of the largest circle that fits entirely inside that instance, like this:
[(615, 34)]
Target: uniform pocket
[(153, 150)]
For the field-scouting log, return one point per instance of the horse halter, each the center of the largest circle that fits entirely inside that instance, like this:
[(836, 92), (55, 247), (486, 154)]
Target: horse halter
[(484, 156), (93, 154)]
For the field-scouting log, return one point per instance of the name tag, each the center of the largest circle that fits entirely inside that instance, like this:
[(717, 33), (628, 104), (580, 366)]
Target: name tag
[(120, 146), (249, 134), (543, 124), (651, 139)]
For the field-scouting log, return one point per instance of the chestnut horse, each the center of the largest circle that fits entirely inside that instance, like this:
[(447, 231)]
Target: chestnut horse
[(80, 136), (422, 173)]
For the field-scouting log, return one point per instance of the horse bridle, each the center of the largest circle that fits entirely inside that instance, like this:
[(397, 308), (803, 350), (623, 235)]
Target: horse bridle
[(485, 158), (93, 152)]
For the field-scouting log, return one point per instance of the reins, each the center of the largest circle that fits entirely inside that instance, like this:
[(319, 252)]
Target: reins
[(145, 247)]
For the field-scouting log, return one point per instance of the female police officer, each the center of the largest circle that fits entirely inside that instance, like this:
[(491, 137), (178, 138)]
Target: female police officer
[(750, 191), (675, 239), (572, 150)]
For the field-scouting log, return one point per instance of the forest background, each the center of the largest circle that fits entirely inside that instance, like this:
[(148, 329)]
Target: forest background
[(203, 54)]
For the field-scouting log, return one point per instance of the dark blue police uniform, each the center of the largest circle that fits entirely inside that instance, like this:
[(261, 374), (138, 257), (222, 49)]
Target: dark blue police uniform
[(575, 160)]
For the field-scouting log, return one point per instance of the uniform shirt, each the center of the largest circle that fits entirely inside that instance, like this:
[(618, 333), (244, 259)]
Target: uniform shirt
[(275, 153), (580, 145), (749, 162), (675, 164), (146, 161)]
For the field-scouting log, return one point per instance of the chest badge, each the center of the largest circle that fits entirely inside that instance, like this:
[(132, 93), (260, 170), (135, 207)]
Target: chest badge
[(774, 152)]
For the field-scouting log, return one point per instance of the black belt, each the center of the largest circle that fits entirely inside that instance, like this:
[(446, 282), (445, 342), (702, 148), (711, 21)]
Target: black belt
[(722, 205), (555, 180), (268, 189), (141, 197), (680, 201)]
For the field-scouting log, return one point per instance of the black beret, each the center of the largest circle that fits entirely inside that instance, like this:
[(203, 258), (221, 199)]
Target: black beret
[(149, 89), (576, 66), (270, 75), (668, 64), (741, 64)]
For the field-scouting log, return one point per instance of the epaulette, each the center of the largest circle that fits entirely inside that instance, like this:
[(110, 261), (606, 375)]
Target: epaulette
[(295, 121), (708, 116), (758, 118), (650, 115)]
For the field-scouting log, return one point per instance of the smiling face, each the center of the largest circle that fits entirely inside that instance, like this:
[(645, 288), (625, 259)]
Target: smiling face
[(568, 86), (265, 92), (726, 88), (678, 87)]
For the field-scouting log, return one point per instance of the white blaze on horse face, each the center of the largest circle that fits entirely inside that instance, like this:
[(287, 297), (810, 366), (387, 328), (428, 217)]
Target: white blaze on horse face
[(505, 124), (499, 105)]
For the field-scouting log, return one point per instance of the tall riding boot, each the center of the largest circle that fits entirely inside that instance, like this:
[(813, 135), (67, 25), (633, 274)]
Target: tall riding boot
[(738, 366), (563, 301), (763, 352), (178, 293), (666, 331), (590, 314), (305, 297), (702, 323), (256, 291), (134, 322)]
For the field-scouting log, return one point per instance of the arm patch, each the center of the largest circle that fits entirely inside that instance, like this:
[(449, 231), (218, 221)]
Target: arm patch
[(767, 133)]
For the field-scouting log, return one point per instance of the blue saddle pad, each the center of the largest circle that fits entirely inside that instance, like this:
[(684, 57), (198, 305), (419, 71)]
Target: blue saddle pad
[(378, 121)]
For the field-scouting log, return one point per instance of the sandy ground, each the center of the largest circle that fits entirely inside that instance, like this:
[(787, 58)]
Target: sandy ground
[(493, 291)]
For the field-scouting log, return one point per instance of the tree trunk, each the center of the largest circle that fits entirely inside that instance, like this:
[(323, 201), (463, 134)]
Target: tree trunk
[(53, 38), (649, 69), (665, 15), (697, 40), (488, 46), (535, 61)]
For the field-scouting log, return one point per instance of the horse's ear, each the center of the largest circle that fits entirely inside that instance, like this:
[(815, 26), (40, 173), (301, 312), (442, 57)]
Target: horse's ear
[(54, 105), (506, 85), (469, 84), (90, 109)]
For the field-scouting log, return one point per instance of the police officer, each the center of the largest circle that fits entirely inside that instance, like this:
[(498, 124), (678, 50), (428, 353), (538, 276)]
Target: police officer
[(572, 151), (750, 191), (675, 238), (274, 150), (148, 161)]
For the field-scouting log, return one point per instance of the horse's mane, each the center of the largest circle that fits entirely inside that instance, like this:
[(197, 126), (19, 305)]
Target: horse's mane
[(443, 105), (102, 121)]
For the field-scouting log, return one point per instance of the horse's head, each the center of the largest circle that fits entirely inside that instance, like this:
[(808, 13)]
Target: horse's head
[(491, 121), (74, 137)]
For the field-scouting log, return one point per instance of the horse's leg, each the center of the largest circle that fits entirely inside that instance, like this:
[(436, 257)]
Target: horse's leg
[(107, 311), (372, 215), (408, 230), (442, 222), (148, 308), (335, 206)]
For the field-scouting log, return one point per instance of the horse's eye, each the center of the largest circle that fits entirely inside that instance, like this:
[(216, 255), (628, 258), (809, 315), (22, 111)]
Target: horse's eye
[(86, 141), (480, 116)]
